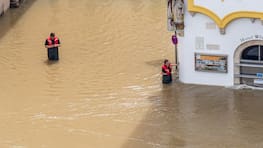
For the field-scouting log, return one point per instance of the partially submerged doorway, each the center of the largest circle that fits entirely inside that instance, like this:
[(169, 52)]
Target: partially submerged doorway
[(248, 60)]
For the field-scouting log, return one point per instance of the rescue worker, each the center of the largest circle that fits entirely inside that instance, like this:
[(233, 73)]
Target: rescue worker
[(52, 43), (167, 72)]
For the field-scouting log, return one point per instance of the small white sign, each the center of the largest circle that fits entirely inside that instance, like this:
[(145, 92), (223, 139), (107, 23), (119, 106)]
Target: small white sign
[(199, 42), (258, 81), (212, 46), (210, 25)]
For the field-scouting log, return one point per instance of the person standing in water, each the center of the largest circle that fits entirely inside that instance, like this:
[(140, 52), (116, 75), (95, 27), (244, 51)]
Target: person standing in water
[(167, 72), (52, 43)]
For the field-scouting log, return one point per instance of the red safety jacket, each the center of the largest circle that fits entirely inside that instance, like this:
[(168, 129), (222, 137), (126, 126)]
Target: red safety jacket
[(167, 69), (49, 40)]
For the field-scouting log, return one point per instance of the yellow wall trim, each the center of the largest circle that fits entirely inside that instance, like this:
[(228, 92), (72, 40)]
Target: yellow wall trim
[(222, 23)]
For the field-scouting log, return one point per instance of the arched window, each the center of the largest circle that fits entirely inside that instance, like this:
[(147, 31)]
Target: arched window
[(248, 60), (261, 53), (251, 53)]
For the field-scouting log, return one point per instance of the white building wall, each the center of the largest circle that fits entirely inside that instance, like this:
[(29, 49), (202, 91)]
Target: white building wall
[(199, 25)]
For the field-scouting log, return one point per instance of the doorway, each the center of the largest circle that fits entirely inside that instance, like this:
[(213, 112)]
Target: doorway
[(248, 60)]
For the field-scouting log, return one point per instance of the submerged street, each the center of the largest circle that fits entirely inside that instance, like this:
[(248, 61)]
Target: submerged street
[(106, 90)]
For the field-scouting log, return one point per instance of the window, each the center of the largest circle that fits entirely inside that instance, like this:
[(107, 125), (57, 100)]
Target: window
[(261, 53), (252, 53)]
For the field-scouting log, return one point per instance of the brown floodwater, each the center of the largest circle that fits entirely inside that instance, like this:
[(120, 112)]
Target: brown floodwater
[(106, 91)]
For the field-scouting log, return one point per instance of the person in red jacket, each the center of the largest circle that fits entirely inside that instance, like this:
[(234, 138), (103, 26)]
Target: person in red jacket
[(167, 72), (52, 43)]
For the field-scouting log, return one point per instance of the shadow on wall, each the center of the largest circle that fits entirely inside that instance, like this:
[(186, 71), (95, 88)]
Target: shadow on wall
[(12, 16)]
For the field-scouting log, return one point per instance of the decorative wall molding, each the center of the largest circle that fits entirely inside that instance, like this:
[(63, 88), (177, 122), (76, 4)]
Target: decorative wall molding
[(223, 22)]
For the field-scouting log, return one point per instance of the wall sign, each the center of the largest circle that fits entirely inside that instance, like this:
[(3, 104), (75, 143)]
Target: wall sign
[(211, 63), (252, 37), (199, 42)]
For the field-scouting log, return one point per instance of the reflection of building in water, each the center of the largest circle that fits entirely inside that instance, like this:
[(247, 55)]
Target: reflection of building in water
[(232, 42), (4, 5)]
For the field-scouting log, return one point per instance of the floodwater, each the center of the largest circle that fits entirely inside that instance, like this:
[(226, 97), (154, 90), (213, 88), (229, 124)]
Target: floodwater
[(105, 92)]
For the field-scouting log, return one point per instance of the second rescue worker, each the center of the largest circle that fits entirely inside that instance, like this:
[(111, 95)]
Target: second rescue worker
[(167, 71), (52, 43)]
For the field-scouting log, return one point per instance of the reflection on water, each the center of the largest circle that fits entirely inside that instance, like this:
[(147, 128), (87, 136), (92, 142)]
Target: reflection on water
[(105, 91)]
